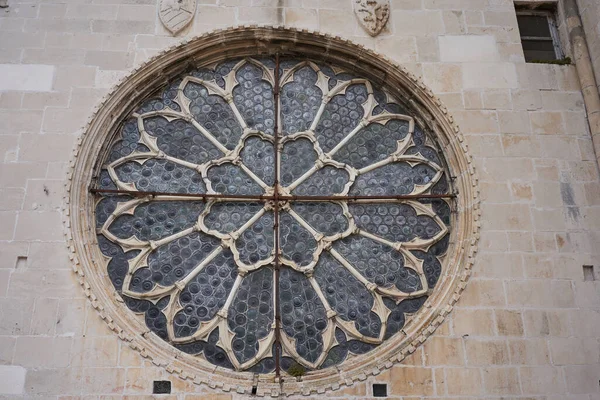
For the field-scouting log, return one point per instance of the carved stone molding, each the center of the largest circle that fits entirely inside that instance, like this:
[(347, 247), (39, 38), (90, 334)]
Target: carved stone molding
[(253, 41), (372, 14)]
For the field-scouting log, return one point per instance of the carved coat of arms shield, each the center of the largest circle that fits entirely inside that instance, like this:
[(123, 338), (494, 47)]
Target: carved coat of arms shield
[(372, 14), (176, 14)]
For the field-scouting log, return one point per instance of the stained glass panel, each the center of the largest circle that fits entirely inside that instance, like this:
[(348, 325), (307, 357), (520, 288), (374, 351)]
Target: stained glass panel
[(273, 212)]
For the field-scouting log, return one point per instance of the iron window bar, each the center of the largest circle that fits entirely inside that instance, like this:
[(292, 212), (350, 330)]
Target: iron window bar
[(249, 197)]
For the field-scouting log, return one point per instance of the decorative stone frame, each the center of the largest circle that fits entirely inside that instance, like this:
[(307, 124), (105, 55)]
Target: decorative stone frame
[(249, 41)]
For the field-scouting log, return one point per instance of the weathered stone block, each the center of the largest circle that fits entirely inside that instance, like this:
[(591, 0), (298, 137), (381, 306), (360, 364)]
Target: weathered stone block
[(31, 77), (463, 381), (509, 323), (35, 225), (443, 351), (542, 380), (529, 351), (501, 381), (490, 75), (47, 352), (13, 379), (467, 322), (470, 48), (486, 352), (411, 381)]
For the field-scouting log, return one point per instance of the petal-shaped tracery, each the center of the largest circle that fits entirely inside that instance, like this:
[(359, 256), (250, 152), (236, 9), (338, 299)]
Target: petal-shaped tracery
[(297, 158), (341, 115), (254, 98), (327, 181), (354, 304), (300, 100), (258, 155), (252, 314), (373, 143), (205, 295), (180, 139), (161, 176), (190, 246), (303, 316), (213, 113), (399, 178), (155, 220)]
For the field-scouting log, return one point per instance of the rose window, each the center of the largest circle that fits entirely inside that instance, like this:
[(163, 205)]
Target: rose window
[(269, 213)]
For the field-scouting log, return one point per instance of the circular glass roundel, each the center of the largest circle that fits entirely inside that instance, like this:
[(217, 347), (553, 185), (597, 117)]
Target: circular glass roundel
[(273, 213)]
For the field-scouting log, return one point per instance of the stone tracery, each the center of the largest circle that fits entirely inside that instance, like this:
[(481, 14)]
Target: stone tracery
[(208, 145)]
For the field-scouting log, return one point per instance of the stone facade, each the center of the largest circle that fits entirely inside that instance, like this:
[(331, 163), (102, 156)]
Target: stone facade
[(526, 325)]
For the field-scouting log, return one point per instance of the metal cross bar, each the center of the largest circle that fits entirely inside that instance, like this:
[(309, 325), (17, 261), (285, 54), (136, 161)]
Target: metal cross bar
[(362, 197), (276, 266), (276, 197), (200, 196)]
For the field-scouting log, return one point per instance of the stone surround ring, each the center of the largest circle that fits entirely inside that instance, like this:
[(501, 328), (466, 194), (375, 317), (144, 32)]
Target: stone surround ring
[(269, 214)]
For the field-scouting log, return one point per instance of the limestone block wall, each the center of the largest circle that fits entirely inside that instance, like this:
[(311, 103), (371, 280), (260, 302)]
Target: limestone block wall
[(525, 328)]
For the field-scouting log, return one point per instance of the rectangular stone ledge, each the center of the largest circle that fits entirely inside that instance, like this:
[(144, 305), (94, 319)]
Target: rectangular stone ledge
[(26, 77)]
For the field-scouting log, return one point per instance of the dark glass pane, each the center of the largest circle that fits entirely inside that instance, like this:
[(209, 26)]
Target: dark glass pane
[(341, 116), (533, 25), (256, 243), (171, 262), (251, 313), (297, 157), (181, 139), (378, 263), (254, 99), (325, 182), (393, 179), (373, 143), (259, 157), (214, 114), (304, 317), (539, 50), (297, 244), (300, 101), (205, 294), (353, 304), (161, 176)]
